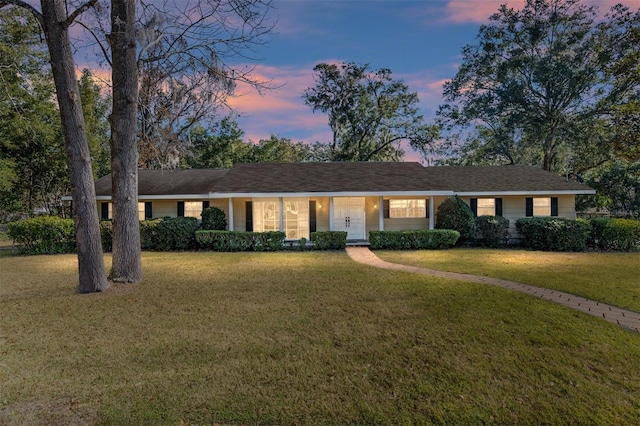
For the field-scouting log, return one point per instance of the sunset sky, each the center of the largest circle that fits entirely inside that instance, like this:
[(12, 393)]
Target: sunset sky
[(419, 41)]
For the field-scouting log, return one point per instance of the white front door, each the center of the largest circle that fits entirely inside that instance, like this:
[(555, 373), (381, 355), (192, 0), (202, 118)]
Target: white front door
[(348, 215)]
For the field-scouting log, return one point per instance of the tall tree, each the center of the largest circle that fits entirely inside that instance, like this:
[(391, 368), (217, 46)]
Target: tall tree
[(220, 146), (370, 114), (127, 263), (540, 87), (55, 20)]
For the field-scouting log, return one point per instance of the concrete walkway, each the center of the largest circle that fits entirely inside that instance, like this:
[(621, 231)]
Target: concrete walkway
[(622, 317)]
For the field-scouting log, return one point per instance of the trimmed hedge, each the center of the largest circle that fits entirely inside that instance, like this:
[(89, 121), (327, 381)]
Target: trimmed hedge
[(240, 241), (329, 240), (173, 234), (44, 235), (455, 214), (434, 239), (553, 233), (492, 231), (615, 234)]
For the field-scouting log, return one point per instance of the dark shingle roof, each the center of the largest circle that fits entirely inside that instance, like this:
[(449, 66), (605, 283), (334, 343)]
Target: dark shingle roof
[(378, 177), (502, 179), (327, 177), (169, 182)]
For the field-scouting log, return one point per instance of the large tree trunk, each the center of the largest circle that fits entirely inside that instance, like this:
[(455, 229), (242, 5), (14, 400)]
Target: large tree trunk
[(90, 260), (124, 154)]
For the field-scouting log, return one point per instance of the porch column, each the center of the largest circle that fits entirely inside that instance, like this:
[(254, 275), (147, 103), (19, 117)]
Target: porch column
[(330, 213), (381, 214), (281, 201), (230, 214), (431, 214)]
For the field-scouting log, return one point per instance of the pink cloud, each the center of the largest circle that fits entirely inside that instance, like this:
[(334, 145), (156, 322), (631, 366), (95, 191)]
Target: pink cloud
[(460, 11)]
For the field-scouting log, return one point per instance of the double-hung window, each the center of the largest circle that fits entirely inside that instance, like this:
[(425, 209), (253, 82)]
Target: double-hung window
[(541, 206), (407, 208)]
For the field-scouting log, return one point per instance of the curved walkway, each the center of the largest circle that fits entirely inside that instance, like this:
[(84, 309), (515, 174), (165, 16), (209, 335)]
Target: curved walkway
[(622, 317)]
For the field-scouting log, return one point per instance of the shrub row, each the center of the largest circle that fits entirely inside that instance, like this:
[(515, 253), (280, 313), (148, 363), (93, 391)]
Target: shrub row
[(553, 233), (44, 235), (615, 234), (413, 240), (240, 241), (329, 240)]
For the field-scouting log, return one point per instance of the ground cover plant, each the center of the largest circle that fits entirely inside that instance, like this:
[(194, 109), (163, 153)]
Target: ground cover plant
[(612, 278), (300, 338)]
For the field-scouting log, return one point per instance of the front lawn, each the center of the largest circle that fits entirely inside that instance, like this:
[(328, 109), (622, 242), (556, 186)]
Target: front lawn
[(300, 338), (613, 278)]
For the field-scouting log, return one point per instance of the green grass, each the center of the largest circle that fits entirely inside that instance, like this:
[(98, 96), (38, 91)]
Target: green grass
[(612, 278), (300, 338)]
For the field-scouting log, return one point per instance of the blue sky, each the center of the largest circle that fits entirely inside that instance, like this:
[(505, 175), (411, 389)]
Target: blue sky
[(419, 41)]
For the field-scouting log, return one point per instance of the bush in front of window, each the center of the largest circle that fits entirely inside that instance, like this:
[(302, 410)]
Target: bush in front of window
[(455, 214), (106, 235), (434, 239), (43, 235), (553, 233), (213, 219), (329, 240), (174, 234), (615, 234), (491, 231)]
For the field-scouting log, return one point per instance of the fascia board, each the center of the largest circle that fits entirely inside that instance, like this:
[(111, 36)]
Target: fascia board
[(506, 193), (330, 194)]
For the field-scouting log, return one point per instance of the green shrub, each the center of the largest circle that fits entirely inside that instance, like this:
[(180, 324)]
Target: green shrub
[(425, 239), (302, 244), (553, 233), (329, 240), (455, 214), (225, 240), (148, 233), (44, 235), (615, 234), (174, 233), (268, 241), (213, 219), (491, 231), (106, 235)]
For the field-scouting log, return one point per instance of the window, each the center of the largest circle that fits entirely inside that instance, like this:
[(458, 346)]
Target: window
[(106, 212), (266, 215), (296, 218), (144, 210), (140, 211), (193, 209), (407, 208), (486, 207), (541, 206)]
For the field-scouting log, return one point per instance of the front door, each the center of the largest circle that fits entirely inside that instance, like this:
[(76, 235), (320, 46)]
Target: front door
[(348, 215)]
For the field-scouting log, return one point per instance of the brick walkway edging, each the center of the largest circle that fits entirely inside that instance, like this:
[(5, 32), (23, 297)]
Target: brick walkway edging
[(622, 317)]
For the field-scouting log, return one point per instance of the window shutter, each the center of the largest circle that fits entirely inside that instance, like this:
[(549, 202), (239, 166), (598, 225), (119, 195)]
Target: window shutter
[(205, 204), (385, 206), (312, 216), (498, 203), (554, 206), (473, 202), (248, 214), (104, 211), (148, 212), (426, 208), (180, 208), (529, 207)]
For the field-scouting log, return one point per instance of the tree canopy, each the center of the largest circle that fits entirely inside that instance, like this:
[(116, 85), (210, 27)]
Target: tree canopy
[(370, 113), (545, 83)]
